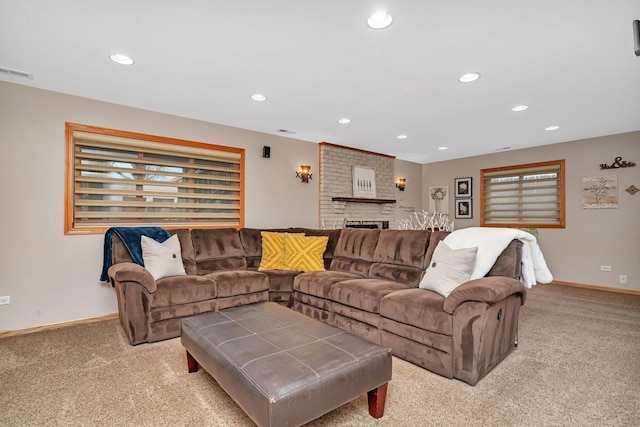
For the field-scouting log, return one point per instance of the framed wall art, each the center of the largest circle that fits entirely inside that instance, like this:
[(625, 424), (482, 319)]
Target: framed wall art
[(439, 199), (462, 187), (364, 182), (600, 192), (464, 208)]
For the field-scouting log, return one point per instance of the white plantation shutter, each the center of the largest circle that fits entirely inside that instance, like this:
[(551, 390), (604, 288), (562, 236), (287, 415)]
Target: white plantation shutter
[(529, 195), (119, 178)]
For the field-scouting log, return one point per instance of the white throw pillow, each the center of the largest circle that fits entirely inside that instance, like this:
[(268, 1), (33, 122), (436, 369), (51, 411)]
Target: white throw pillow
[(162, 259), (448, 269)]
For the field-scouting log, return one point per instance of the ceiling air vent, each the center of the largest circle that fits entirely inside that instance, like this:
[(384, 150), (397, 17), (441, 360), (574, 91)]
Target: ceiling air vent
[(15, 73)]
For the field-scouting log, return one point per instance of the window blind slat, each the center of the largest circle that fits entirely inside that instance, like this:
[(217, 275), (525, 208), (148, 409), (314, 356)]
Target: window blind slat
[(102, 215), (125, 143), (181, 185), (534, 170), (95, 158), (152, 172), (154, 205), (125, 193)]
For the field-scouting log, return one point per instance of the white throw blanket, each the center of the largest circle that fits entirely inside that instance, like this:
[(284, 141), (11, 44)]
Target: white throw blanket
[(492, 241)]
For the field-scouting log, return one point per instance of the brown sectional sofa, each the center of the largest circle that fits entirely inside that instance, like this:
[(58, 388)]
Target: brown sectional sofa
[(369, 287), (372, 291)]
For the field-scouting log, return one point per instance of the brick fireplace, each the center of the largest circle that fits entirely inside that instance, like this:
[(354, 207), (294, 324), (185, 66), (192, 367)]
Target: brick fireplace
[(337, 203)]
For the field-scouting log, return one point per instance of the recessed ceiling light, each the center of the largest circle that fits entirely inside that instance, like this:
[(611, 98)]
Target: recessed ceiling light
[(520, 108), (469, 77), (258, 97), (552, 128), (443, 148), (379, 20), (344, 121), (121, 59), (401, 136)]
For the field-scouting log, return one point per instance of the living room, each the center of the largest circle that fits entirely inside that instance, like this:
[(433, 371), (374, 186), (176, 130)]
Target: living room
[(52, 278)]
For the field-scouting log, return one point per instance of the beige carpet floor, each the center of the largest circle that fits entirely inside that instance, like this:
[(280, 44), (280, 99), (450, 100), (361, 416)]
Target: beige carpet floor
[(577, 363)]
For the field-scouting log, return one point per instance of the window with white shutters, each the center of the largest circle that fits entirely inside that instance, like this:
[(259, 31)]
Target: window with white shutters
[(530, 195), (117, 178)]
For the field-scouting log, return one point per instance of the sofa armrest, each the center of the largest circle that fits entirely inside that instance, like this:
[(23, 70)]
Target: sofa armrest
[(132, 272), (486, 289)]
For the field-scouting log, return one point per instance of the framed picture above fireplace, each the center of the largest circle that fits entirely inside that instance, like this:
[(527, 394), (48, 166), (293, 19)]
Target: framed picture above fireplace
[(364, 182)]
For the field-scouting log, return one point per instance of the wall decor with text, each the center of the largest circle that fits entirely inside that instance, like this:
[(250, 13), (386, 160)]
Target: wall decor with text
[(617, 163)]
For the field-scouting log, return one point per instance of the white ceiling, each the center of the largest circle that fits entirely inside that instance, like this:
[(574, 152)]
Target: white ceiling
[(571, 61)]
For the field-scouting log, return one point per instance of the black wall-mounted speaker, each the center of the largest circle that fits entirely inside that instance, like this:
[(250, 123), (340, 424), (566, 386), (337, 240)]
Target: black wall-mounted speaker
[(636, 36), (266, 152)]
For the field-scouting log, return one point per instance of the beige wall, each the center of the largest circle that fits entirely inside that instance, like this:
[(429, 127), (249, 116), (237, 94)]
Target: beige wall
[(53, 278), (592, 237), (409, 200)]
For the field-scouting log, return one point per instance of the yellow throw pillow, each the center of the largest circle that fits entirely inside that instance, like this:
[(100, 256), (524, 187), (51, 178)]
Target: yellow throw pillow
[(273, 250), (304, 253)]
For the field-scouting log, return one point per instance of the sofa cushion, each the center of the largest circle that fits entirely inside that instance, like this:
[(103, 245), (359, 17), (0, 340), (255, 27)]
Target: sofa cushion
[(508, 263), (186, 246), (239, 282), (217, 249), (434, 238), (281, 280), (357, 243), (409, 276), (304, 253), (318, 283), (417, 307), (162, 259), (182, 290), (402, 247), (354, 251), (364, 294), (449, 268)]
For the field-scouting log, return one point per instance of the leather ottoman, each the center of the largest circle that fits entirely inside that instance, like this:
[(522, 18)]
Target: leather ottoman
[(283, 368)]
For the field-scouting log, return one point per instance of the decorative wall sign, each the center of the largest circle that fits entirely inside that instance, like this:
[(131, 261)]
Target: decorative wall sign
[(600, 192), (439, 199), (617, 163), (463, 187), (632, 190), (364, 182), (464, 208)]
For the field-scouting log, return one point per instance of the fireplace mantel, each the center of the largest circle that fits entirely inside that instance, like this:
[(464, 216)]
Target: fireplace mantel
[(362, 200)]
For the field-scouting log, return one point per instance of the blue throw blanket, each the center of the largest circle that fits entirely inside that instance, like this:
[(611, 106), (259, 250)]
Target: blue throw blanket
[(131, 237)]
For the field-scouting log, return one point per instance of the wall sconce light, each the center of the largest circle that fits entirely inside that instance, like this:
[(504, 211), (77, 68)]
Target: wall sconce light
[(304, 173), (401, 184)]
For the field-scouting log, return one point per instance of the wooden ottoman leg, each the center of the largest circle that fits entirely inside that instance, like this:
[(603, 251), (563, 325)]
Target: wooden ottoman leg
[(192, 364), (377, 398)]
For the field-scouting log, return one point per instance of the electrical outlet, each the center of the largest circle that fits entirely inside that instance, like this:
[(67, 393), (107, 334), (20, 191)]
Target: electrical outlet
[(5, 300), (623, 278), (605, 268)]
